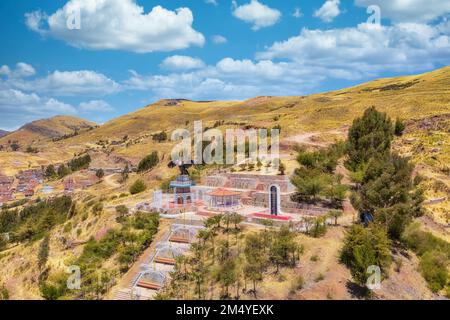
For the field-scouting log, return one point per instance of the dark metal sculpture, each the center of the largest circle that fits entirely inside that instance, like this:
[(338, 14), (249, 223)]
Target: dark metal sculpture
[(184, 167)]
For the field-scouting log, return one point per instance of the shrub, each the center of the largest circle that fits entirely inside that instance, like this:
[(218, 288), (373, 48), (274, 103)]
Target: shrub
[(297, 284), (364, 247), (138, 187), (399, 127), (319, 228), (433, 266), (4, 294), (149, 162), (97, 208), (100, 173), (434, 255), (122, 210)]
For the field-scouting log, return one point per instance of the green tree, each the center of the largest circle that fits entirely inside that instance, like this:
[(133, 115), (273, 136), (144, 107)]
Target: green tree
[(50, 172), (259, 164), (365, 247), (388, 192), (100, 173), (125, 173), (335, 214), (137, 187), (368, 137), (309, 187), (63, 171), (227, 275), (256, 260), (149, 162), (282, 168), (399, 127), (122, 211), (434, 268), (4, 293)]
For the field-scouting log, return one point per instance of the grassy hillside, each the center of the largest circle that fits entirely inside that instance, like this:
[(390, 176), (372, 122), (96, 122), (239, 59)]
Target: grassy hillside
[(46, 130), (411, 97)]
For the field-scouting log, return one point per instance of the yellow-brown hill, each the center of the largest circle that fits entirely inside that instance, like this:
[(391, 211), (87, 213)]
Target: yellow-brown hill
[(46, 130)]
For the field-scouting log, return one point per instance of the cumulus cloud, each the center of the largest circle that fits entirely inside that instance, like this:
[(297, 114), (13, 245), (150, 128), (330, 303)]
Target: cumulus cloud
[(328, 11), (95, 106), (256, 13), (17, 107), (229, 79), (213, 2), (368, 49), (182, 63), (218, 39), (118, 25), (409, 11), (297, 13), (302, 63), (20, 101), (22, 70), (60, 83)]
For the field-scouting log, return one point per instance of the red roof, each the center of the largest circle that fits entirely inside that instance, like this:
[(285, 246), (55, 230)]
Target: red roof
[(221, 192)]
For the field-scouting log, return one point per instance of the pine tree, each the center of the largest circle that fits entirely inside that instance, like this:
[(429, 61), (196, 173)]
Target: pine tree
[(368, 137)]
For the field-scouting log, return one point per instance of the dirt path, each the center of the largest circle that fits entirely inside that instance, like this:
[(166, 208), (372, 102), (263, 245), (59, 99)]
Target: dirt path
[(110, 181), (308, 138)]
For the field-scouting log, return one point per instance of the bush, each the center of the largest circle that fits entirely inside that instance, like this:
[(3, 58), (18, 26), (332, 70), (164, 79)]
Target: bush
[(433, 266), (100, 174), (149, 162), (138, 187), (319, 228), (364, 247), (122, 210), (297, 284), (434, 255), (97, 208), (4, 294), (399, 127)]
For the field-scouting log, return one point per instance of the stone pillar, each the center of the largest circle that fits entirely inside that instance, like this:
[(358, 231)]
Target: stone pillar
[(274, 200)]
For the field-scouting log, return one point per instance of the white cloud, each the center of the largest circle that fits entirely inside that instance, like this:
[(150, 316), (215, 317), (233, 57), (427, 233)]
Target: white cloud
[(61, 83), (409, 10), (368, 49), (218, 39), (328, 11), (256, 13), (213, 2), (5, 70), (17, 107), (119, 25), (230, 79), (22, 70), (302, 63), (297, 13), (95, 106), (182, 63)]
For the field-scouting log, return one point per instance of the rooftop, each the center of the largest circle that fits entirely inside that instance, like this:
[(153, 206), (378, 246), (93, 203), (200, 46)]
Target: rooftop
[(221, 192)]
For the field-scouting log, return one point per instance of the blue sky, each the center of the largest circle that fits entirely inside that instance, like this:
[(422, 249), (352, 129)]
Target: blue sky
[(119, 55)]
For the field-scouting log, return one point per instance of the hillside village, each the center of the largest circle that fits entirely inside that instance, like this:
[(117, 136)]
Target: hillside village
[(120, 186)]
